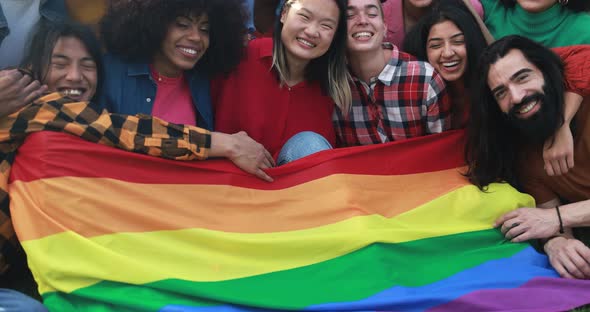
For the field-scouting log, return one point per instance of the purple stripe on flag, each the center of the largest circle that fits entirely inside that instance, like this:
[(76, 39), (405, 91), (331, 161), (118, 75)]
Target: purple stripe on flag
[(534, 295)]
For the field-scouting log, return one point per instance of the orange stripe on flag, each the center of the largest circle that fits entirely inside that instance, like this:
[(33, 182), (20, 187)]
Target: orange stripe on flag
[(80, 204)]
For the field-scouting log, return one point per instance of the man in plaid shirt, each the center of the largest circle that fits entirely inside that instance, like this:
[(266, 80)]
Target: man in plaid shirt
[(394, 96)]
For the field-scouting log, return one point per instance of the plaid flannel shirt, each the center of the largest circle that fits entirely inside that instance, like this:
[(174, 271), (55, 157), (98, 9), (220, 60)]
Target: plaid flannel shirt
[(408, 99), (140, 134)]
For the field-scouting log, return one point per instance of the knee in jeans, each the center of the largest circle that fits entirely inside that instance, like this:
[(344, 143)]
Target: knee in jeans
[(302, 144), (13, 301)]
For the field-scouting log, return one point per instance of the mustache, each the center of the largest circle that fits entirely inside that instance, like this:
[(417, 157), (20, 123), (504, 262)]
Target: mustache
[(537, 96)]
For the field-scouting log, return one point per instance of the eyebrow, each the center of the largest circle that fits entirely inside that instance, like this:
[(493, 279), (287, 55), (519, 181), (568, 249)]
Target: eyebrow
[(194, 19), (367, 7), (512, 78), (61, 56), (452, 37), (324, 19)]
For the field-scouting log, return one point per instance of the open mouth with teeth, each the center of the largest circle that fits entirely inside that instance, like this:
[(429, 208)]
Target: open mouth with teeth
[(450, 64), (306, 43), (188, 52), (74, 93), (527, 108), (363, 35)]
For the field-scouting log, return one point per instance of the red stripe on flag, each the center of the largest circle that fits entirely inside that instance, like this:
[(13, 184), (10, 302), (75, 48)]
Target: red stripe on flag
[(39, 158)]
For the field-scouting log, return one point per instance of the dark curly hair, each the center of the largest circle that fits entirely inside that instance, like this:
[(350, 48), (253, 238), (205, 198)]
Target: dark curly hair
[(135, 29), (574, 5)]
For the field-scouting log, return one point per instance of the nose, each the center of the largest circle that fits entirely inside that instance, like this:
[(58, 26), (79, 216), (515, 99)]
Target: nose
[(312, 30), (194, 34), (362, 18), (516, 94), (73, 73), (447, 51)]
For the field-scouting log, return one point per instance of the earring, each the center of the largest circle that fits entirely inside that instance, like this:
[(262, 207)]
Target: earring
[(563, 2)]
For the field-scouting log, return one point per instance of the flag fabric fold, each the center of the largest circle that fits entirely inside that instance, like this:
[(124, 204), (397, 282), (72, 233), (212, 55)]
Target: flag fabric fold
[(386, 227)]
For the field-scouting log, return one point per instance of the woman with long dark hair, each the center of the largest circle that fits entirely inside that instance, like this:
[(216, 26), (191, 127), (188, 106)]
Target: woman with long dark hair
[(449, 39), (402, 15), (452, 41)]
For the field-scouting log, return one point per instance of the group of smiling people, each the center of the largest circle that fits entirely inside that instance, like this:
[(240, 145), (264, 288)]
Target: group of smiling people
[(326, 78)]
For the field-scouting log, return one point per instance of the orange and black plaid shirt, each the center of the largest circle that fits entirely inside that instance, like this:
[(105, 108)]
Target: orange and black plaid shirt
[(140, 134)]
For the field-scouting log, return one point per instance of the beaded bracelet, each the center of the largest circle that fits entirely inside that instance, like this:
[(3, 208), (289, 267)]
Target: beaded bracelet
[(561, 231)]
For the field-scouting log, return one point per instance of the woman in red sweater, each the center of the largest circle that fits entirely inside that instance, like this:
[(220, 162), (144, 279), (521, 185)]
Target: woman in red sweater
[(289, 83)]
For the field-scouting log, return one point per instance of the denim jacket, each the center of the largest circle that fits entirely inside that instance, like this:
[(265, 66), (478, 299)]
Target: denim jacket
[(50, 10), (129, 89)]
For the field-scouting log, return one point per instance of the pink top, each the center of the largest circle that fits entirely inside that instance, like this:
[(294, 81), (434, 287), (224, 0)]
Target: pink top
[(173, 100), (394, 19)]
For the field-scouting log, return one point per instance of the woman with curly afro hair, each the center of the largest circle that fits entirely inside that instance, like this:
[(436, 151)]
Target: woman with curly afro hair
[(162, 53)]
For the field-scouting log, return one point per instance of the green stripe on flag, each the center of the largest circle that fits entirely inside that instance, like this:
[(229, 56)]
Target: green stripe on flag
[(355, 276)]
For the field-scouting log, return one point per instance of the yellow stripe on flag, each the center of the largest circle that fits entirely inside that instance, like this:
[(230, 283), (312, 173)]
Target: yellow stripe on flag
[(207, 255)]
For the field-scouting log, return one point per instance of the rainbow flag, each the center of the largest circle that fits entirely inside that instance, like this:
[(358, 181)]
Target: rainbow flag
[(384, 227)]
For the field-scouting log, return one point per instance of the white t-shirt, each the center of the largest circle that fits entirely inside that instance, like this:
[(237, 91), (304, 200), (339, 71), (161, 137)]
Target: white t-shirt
[(22, 17)]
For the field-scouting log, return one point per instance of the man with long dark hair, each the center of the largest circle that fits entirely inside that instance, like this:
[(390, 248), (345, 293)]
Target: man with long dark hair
[(66, 58), (517, 105)]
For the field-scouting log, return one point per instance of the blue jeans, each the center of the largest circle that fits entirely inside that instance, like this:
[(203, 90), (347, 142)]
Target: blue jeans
[(13, 301), (300, 145)]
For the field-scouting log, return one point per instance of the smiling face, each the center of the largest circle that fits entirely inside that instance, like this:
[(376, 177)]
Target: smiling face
[(517, 85), (309, 27), (446, 51), (536, 6), (185, 43), (72, 70), (366, 28)]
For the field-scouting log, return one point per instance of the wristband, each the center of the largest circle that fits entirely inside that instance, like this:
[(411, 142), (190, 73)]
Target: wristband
[(561, 231)]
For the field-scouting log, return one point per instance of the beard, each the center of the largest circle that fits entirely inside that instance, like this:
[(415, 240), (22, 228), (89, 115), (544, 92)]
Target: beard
[(542, 125)]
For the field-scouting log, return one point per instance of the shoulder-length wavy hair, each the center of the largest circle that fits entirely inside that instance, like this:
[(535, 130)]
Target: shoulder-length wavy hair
[(574, 5), (329, 69), (492, 145), (39, 50), (135, 29), (416, 41)]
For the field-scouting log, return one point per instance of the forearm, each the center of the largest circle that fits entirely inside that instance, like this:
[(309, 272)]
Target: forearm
[(572, 102), (572, 215), (141, 134), (576, 214), (222, 145)]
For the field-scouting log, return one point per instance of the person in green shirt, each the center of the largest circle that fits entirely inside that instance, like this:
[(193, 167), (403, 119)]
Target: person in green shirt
[(553, 23)]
